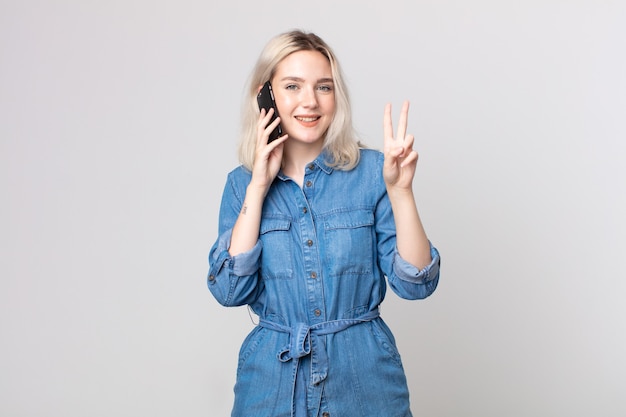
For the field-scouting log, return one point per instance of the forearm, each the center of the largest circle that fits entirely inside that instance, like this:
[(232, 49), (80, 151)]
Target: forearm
[(412, 242), (246, 229)]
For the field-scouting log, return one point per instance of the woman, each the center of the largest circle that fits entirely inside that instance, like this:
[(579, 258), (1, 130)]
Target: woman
[(310, 225)]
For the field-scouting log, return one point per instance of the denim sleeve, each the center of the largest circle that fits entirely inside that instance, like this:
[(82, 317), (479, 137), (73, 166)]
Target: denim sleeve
[(411, 282), (406, 280), (233, 280)]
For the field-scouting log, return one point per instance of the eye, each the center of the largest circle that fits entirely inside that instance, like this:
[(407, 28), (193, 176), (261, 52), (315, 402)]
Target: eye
[(325, 88), (291, 87)]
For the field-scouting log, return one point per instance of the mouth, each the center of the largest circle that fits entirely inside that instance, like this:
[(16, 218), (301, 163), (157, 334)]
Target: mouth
[(307, 119)]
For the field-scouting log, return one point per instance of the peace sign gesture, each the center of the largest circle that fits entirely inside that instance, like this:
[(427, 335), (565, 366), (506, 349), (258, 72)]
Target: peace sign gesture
[(400, 157)]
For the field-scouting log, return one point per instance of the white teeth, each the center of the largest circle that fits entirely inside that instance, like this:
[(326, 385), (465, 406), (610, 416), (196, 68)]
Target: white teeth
[(307, 119)]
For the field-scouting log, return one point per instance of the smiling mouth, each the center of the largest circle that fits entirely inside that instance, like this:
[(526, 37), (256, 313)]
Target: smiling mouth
[(308, 119)]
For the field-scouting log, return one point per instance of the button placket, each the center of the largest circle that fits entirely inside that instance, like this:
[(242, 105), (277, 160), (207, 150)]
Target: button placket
[(316, 310), (312, 264)]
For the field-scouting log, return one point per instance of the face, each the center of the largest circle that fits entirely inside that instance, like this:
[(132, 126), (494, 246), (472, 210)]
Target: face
[(305, 96)]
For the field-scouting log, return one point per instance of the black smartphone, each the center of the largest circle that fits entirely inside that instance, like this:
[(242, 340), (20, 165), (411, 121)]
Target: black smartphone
[(265, 98)]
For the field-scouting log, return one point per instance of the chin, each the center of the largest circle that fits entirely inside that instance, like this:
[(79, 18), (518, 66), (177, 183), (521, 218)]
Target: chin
[(309, 140), (306, 138)]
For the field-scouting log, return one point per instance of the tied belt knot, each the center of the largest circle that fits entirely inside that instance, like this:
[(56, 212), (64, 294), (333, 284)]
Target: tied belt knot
[(304, 340)]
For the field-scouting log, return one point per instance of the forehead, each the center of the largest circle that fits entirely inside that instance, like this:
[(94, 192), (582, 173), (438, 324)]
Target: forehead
[(304, 64)]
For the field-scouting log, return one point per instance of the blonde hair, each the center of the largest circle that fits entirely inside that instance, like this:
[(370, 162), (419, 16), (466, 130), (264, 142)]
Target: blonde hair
[(340, 141)]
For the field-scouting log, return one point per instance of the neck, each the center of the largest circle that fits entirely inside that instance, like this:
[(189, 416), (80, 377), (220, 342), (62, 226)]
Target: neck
[(295, 158)]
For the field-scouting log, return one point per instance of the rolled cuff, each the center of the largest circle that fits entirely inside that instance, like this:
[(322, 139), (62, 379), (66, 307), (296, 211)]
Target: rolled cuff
[(410, 273), (243, 264)]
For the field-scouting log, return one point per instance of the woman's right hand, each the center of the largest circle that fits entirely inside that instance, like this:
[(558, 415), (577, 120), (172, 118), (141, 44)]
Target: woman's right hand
[(267, 160), (268, 156)]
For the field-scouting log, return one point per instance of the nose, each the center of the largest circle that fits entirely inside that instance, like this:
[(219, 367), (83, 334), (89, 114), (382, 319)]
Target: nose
[(309, 98)]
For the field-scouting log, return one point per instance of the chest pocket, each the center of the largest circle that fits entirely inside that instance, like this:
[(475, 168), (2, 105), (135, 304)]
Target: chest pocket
[(276, 257), (349, 242)]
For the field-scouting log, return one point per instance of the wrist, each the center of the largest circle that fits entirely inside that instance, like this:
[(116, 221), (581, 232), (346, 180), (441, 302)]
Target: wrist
[(400, 192), (255, 192)]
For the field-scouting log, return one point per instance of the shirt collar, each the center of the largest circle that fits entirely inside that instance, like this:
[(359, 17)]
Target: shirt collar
[(322, 162)]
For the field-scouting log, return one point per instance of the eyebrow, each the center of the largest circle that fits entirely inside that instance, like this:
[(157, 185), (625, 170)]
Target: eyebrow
[(321, 80)]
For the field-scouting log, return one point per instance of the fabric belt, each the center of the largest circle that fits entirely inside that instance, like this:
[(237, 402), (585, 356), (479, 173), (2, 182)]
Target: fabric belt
[(303, 341)]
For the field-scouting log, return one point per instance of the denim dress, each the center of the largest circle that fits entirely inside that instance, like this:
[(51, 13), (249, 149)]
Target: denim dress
[(316, 278)]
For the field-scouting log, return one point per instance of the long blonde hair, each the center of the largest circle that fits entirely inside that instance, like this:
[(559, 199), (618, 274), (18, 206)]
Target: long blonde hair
[(340, 141)]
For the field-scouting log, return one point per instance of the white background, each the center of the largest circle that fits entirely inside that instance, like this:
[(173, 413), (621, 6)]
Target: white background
[(118, 124)]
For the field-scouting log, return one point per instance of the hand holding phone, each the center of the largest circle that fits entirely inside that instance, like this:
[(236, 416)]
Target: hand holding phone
[(265, 99)]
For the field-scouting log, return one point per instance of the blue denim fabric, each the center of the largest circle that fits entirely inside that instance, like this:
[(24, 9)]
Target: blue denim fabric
[(316, 278)]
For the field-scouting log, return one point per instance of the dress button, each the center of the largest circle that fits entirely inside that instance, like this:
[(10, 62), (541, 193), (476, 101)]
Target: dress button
[(309, 183), (211, 278), (309, 242), (313, 274), (317, 312), (325, 414), (305, 210), (311, 167)]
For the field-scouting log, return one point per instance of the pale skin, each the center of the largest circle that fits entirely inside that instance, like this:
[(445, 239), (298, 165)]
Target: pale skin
[(398, 173), (305, 98)]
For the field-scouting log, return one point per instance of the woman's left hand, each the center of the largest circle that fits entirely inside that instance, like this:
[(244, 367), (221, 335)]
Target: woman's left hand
[(400, 157)]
